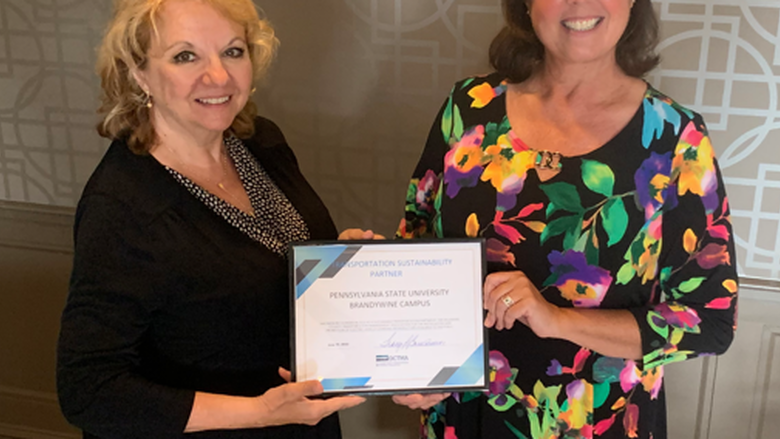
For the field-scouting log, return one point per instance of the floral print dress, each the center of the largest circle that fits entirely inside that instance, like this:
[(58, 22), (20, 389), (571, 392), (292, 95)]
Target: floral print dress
[(641, 223)]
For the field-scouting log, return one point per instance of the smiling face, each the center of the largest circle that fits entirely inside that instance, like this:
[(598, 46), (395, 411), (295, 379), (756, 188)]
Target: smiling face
[(198, 73), (579, 31)]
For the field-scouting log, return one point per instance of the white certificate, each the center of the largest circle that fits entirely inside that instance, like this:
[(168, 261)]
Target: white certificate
[(389, 316)]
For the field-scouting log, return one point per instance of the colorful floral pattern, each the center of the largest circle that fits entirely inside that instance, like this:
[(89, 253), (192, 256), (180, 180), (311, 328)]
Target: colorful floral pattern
[(639, 224), (584, 285)]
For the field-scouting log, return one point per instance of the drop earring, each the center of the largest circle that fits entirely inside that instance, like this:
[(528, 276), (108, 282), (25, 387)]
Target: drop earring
[(148, 100)]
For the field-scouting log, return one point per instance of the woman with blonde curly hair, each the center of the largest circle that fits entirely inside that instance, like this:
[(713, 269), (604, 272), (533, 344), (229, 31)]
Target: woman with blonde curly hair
[(177, 317)]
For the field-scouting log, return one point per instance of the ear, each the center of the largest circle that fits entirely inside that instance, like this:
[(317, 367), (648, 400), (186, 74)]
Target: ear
[(140, 79)]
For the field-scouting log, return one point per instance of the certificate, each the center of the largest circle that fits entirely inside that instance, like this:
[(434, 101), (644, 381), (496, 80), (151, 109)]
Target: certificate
[(389, 316)]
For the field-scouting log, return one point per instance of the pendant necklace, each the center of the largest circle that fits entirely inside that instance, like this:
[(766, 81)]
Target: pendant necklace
[(239, 204)]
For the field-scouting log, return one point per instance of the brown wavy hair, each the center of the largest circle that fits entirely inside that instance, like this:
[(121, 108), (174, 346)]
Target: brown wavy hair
[(125, 47), (516, 51)]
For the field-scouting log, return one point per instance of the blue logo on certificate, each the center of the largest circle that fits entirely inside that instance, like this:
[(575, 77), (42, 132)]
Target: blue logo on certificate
[(391, 360)]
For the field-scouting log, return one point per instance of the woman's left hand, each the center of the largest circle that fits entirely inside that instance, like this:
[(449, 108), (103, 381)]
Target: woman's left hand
[(511, 296), (358, 234)]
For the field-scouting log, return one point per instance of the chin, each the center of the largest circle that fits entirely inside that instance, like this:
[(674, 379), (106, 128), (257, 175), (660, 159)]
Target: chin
[(217, 125), (588, 57), (220, 128)]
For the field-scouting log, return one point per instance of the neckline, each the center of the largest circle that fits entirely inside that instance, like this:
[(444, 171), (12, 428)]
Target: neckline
[(613, 140), (233, 146)]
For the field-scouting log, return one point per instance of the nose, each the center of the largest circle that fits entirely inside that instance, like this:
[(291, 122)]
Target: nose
[(215, 74)]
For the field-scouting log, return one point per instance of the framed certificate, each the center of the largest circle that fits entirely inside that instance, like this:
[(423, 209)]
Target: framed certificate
[(389, 316)]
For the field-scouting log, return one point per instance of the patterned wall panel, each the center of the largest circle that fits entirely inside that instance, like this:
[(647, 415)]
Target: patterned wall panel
[(48, 97), (722, 58), (358, 82)]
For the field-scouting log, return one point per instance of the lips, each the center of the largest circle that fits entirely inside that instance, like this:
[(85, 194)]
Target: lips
[(582, 25), (214, 101)]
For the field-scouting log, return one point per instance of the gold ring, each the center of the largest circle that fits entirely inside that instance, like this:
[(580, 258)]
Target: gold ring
[(508, 301)]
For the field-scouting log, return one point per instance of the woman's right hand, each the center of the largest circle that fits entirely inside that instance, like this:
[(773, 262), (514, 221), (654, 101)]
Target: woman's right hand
[(290, 403), (417, 401)]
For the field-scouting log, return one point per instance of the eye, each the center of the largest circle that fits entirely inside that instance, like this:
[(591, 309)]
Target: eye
[(235, 52), (184, 57)]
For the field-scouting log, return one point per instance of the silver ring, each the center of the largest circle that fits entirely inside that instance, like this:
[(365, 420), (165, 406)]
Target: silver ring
[(508, 301)]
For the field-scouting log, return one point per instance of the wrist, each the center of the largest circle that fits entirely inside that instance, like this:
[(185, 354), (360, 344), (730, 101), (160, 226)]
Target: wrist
[(223, 412), (561, 329), (261, 411)]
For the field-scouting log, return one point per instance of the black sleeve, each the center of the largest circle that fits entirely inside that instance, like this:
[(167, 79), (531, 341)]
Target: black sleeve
[(114, 292), (422, 218), (698, 277)]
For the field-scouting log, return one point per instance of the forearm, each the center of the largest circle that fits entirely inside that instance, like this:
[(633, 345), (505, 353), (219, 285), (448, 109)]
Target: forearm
[(286, 404), (223, 412), (612, 333)]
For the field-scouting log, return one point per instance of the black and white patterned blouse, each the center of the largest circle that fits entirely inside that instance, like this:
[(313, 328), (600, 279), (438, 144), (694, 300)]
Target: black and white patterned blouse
[(275, 222)]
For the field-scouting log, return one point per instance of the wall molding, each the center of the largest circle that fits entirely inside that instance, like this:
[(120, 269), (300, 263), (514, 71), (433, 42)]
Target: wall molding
[(36, 227), (17, 432), (42, 405), (28, 395), (770, 345), (760, 283), (759, 289), (709, 371)]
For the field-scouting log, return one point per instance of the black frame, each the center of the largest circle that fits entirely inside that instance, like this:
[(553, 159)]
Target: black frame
[(364, 392)]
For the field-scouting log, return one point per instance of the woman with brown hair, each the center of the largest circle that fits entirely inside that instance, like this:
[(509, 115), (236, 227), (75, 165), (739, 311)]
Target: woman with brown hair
[(606, 221), (177, 319)]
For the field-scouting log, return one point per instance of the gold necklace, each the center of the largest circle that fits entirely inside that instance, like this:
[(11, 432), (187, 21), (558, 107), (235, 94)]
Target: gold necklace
[(239, 204)]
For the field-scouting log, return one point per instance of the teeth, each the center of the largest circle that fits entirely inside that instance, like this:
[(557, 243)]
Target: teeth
[(581, 25), (215, 101)]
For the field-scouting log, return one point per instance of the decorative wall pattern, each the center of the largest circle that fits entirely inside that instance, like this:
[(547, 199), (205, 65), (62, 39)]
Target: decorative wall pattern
[(722, 58), (48, 96), (358, 82)]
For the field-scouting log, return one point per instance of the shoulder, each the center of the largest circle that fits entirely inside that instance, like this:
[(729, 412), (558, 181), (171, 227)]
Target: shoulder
[(480, 90), (137, 182), (267, 134), (656, 98), (492, 80), (268, 143), (666, 120)]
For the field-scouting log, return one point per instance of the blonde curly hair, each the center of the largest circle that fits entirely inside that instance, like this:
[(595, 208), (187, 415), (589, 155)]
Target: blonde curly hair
[(124, 49)]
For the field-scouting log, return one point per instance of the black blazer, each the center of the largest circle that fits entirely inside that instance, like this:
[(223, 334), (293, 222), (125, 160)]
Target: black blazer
[(167, 298)]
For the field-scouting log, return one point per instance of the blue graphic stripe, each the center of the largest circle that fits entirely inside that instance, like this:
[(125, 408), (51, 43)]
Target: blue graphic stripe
[(331, 384), (326, 255), (471, 371)]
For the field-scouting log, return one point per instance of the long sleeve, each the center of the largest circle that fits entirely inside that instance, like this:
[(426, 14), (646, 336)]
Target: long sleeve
[(114, 293), (696, 313), (425, 191)]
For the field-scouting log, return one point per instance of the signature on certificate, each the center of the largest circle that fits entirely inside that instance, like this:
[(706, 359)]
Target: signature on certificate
[(413, 341)]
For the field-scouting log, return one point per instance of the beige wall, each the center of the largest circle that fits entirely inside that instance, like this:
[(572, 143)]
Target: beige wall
[(355, 88)]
